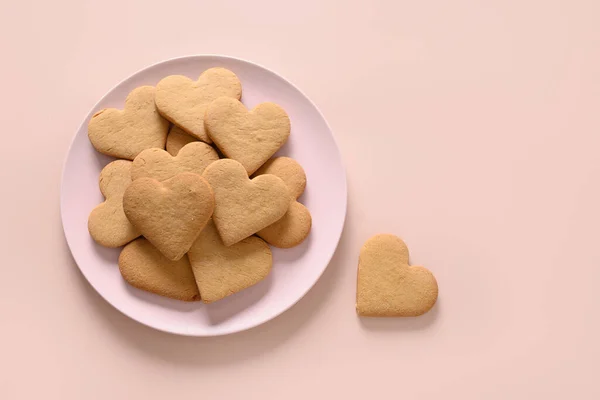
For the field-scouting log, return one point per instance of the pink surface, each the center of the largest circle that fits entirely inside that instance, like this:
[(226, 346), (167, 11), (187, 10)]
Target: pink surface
[(469, 128)]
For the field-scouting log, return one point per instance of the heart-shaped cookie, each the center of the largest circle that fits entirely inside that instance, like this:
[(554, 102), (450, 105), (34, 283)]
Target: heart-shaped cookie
[(295, 225), (176, 139), (125, 133), (224, 270), (183, 101), (160, 165), (244, 206), (170, 214), (144, 267), (290, 230), (107, 223), (387, 286), (250, 137), (289, 170)]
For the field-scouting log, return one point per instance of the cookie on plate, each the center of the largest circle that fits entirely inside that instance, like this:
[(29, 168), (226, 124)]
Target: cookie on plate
[(387, 286), (176, 139), (250, 137), (294, 226), (145, 268), (290, 230), (244, 206), (160, 165), (224, 270), (289, 170), (125, 133), (170, 214), (184, 101), (107, 223)]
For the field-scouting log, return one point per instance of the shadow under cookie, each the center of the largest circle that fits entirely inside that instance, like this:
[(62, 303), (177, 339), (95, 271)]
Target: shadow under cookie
[(292, 254), (161, 301), (397, 324), (110, 255), (222, 310)]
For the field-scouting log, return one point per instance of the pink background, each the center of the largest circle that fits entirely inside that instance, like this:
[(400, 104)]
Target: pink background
[(469, 128)]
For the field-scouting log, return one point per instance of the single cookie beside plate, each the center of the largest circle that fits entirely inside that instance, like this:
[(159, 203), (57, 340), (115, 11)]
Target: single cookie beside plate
[(387, 286)]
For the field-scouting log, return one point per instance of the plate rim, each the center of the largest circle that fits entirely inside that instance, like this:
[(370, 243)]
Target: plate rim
[(258, 321)]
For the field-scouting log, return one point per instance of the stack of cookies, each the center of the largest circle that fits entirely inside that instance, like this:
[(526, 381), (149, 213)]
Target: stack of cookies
[(197, 218)]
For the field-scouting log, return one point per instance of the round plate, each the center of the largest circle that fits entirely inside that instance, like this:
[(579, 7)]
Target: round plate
[(294, 271)]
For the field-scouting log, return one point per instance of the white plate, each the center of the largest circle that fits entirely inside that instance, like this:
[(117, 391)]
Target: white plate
[(295, 270)]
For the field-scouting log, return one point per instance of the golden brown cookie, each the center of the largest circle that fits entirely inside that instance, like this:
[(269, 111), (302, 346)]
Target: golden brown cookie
[(107, 223), (160, 165), (289, 171), (295, 225), (224, 270), (244, 206), (125, 133), (250, 137), (387, 286), (183, 101), (176, 139), (290, 230), (170, 214), (145, 268)]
